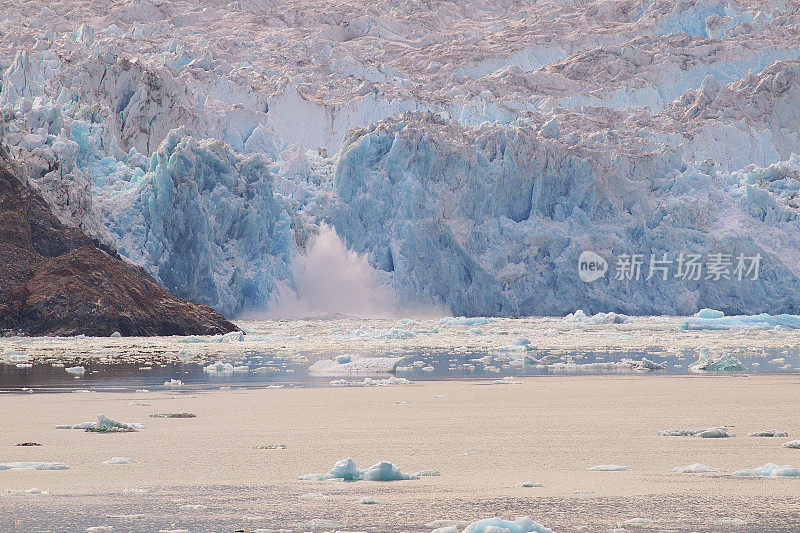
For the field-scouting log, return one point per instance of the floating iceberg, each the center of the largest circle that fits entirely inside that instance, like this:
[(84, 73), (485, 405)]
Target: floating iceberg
[(716, 363), (626, 365), (707, 433), (347, 470), (498, 525), (75, 370), (105, 425), (769, 470), (792, 444), (352, 365), (225, 368), (600, 318)]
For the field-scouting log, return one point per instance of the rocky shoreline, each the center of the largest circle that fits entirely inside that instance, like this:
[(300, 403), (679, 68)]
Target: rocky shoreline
[(55, 280)]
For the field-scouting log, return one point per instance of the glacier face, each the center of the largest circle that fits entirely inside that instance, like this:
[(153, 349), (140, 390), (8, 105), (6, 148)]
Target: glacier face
[(502, 213), (209, 142)]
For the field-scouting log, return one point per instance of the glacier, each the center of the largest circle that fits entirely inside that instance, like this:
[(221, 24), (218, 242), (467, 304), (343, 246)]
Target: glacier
[(456, 180)]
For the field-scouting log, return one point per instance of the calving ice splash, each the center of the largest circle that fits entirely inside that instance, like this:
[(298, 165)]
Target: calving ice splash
[(682, 266)]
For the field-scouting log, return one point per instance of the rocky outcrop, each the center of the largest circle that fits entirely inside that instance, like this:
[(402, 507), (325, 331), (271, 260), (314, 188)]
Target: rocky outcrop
[(55, 280)]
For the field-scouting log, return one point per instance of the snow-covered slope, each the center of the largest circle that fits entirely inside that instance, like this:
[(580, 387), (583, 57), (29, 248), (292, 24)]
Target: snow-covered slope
[(470, 150)]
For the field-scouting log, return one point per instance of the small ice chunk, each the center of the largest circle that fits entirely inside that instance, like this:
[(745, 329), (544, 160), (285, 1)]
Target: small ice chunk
[(193, 507), (173, 383), (75, 370), (769, 433), (385, 471), (769, 470), (508, 380), (369, 500), (708, 433), (636, 523), (33, 466), (729, 522), (120, 461), (709, 313), (529, 484), (609, 468), (355, 366), (218, 368), (792, 444), (347, 470), (696, 468), (498, 525)]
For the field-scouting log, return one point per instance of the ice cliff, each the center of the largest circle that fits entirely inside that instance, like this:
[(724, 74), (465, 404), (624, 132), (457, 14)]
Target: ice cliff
[(467, 153)]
